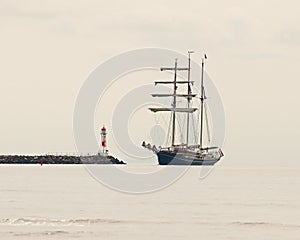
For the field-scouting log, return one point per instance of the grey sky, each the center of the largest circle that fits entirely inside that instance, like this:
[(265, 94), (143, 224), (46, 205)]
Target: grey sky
[(49, 47)]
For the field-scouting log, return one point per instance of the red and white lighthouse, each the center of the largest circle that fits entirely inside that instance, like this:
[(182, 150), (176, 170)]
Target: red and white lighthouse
[(103, 139)]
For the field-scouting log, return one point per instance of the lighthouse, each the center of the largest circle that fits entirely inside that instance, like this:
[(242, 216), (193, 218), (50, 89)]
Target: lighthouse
[(103, 139)]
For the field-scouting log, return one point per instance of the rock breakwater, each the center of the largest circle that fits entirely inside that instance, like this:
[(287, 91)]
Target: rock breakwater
[(58, 159)]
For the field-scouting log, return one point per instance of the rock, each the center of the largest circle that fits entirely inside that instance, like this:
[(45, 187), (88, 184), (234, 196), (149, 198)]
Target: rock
[(53, 159)]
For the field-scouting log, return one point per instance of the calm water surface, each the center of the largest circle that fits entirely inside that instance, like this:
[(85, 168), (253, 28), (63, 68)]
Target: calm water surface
[(65, 202)]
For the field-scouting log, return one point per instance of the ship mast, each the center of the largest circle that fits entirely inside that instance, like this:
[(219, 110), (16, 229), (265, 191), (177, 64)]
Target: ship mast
[(189, 98), (174, 108), (174, 103), (202, 101)]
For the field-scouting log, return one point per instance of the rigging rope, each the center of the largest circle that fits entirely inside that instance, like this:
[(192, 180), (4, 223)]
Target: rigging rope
[(207, 126)]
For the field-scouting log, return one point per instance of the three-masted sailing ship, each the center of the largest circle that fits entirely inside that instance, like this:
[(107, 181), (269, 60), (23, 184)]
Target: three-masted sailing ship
[(184, 153)]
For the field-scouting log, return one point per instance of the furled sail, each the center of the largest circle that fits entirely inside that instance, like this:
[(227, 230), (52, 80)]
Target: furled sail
[(187, 110), (172, 95), (172, 82)]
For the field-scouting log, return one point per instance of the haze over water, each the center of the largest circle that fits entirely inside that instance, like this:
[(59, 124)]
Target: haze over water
[(65, 202)]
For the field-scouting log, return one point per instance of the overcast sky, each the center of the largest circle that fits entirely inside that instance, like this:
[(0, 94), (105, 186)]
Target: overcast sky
[(48, 48)]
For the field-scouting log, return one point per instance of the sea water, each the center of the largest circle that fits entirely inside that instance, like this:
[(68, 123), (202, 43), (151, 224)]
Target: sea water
[(66, 202)]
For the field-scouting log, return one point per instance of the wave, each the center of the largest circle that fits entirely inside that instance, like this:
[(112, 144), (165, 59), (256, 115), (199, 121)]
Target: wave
[(270, 224), (96, 221), (44, 233), (54, 222)]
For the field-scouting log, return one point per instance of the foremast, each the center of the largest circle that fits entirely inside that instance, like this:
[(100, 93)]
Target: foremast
[(174, 103)]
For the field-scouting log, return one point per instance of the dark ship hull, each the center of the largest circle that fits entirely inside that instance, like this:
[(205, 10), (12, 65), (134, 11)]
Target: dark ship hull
[(185, 158)]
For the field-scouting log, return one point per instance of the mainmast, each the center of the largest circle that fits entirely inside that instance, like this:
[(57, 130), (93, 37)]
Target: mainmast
[(174, 103), (202, 101), (188, 98)]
